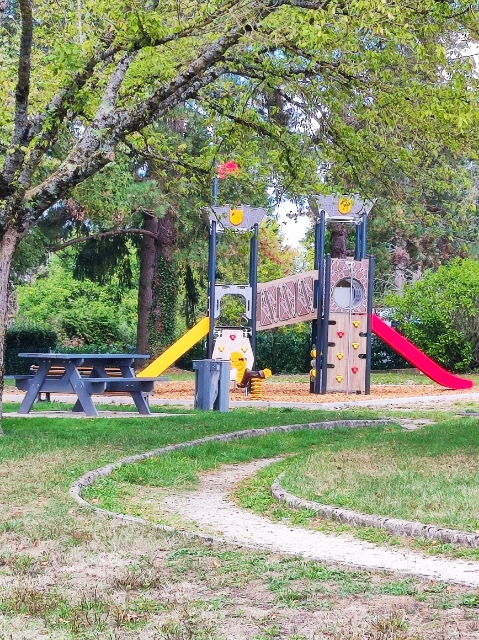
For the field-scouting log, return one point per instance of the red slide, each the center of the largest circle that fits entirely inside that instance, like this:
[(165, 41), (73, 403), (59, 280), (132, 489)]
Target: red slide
[(416, 357)]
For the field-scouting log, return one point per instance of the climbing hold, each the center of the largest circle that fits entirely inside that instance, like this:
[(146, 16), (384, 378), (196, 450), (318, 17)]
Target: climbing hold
[(232, 336), (339, 378), (340, 334), (340, 355), (244, 349), (354, 369), (356, 323), (355, 345), (220, 349)]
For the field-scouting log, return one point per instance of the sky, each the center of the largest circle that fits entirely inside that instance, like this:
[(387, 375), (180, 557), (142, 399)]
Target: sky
[(294, 230)]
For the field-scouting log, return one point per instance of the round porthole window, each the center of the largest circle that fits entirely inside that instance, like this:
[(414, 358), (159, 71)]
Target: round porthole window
[(348, 294)]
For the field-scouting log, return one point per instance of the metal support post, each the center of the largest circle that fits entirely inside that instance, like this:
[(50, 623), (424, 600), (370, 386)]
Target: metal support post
[(319, 265), (363, 236), (253, 282), (358, 242), (367, 385), (211, 287), (324, 341)]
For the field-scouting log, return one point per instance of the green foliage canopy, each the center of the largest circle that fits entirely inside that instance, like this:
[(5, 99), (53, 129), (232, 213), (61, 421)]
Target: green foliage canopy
[(81, 312), (439, 314)]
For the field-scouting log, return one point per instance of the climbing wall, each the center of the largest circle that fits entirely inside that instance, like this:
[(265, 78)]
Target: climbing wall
[(347, 330), (347, 353)]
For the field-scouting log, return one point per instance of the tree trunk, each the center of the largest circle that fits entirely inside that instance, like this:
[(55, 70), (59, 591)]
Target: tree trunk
[(339, 232), (8, 245), (158, 287), (148, 261), (162, 318), (400, 261)]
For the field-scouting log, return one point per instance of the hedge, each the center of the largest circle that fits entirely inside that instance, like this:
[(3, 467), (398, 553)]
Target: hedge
[(26, 341)]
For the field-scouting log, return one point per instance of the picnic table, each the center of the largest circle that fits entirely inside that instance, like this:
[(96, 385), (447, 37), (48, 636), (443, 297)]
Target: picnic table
[(85, 374)]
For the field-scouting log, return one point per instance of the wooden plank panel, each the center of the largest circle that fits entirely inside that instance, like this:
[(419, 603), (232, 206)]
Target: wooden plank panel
[(337, 355)]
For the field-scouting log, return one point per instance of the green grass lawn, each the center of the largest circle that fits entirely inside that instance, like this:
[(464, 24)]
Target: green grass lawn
[(430, 475), (68, 574), (180, 469)]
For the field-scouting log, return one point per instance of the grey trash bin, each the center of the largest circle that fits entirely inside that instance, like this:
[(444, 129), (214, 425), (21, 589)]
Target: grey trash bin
[(212, 384)]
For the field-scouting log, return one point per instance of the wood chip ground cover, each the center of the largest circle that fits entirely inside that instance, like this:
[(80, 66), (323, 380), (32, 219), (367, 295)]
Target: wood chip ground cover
[(299, 392)]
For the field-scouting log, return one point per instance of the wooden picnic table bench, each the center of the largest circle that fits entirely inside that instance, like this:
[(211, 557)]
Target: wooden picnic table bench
[(58, 371), (85, 375)]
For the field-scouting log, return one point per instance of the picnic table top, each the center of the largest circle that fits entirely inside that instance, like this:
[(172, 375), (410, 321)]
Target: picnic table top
[(85, 356)]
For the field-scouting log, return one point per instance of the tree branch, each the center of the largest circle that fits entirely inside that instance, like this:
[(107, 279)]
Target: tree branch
[(301, 4), (103, 234), (96, 149), (14, 160), (110, 94), (262, 129), (63, 101), (165, 160)]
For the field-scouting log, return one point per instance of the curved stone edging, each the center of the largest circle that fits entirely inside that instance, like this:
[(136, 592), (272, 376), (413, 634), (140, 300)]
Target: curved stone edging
[(355, 518), (91, 477)]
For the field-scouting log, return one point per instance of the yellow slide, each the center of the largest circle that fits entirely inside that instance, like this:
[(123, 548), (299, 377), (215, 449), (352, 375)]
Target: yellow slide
[(177, 349)]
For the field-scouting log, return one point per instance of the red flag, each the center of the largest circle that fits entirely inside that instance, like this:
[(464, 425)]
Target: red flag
[(226, 169)]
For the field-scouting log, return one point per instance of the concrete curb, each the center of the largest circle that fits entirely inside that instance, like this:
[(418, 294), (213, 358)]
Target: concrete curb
[(91, 477), (355, 518)]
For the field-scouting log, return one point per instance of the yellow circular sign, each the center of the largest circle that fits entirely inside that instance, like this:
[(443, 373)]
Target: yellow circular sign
[(345, 205)]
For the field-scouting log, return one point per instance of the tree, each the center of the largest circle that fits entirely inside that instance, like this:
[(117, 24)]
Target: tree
[(439, 314), (81, 313), (71, 94)]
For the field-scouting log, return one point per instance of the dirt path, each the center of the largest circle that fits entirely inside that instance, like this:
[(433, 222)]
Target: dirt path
[(211, 508)]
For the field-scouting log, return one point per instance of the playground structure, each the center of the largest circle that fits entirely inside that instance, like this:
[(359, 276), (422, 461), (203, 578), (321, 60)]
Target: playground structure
[(234, 344), (336, 296)]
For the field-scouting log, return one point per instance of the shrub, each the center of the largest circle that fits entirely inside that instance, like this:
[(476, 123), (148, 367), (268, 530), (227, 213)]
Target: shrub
[(440, 314), (384, 358), (93, 325), (26, 341), (284, 350), (198, 352), (79, 311)]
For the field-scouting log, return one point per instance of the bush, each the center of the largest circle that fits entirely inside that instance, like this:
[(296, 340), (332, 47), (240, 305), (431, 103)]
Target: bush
[(198, 352), (80, 312), (95, 325), (287, 350), (440, 314), (284, 350), (26, 341), (112, 347), (384, 358)]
